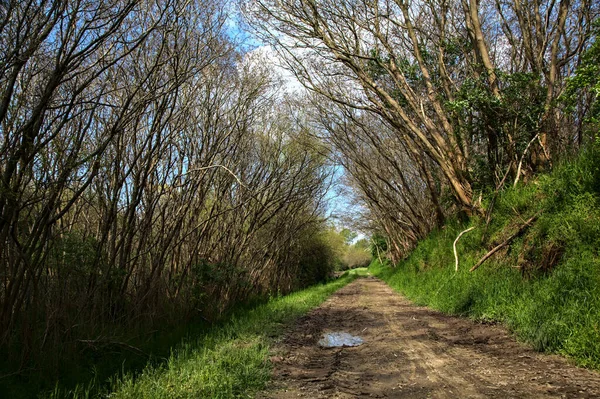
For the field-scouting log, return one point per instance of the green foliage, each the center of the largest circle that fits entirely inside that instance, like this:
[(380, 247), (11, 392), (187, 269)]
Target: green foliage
[(229, 361), (343, 254), (359, 272), (356, 257), (378, 245), (587, 79), (318, 258), (209, 280), (348, 235), (363, 243), (505, 124), (74, 253), (545, 286), (377, 71)]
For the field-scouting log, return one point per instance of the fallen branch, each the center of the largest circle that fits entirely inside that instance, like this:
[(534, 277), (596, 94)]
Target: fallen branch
[(523, 156), (454, 246), (520, 231)]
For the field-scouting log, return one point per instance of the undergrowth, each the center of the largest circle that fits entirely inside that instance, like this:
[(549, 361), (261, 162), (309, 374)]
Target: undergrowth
[(228, 361), (545, 285)]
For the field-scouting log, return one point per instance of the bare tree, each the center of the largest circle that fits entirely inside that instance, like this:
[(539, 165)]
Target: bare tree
[(150, 170)]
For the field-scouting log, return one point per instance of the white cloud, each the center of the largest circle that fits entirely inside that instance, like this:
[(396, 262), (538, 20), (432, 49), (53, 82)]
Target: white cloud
[(267, 56)]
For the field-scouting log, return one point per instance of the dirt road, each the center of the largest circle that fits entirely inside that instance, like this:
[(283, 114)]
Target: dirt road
[(414, 352)]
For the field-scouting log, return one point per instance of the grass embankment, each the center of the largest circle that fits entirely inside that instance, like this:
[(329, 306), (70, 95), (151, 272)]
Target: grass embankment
[(229, 361), (545, 286)]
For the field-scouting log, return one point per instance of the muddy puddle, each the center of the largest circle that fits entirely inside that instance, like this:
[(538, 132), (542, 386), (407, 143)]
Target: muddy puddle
[(339, 339)]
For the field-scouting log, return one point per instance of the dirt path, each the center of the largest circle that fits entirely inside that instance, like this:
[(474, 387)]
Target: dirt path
[(414, 352)]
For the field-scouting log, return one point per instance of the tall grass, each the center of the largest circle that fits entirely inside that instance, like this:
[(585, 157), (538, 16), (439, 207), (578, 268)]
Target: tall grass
[(545, 286), (228, 361)]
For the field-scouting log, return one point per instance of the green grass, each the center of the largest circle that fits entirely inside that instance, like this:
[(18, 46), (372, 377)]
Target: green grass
[(359, 272), (553, 306), (228, 361)]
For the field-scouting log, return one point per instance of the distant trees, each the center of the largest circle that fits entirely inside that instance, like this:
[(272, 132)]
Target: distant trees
[(385, 176), (429, 102), (355, 257), (346, 253), (149, 170)]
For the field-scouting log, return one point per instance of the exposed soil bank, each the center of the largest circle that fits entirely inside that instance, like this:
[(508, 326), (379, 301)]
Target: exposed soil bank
[(414, 352)]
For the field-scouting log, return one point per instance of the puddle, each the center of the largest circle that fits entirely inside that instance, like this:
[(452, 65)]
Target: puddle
[(337, 339)]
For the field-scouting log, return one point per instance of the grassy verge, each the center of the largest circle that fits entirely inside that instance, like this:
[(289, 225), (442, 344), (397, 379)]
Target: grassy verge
[(545, 286), (229, 361), (358, 272)]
